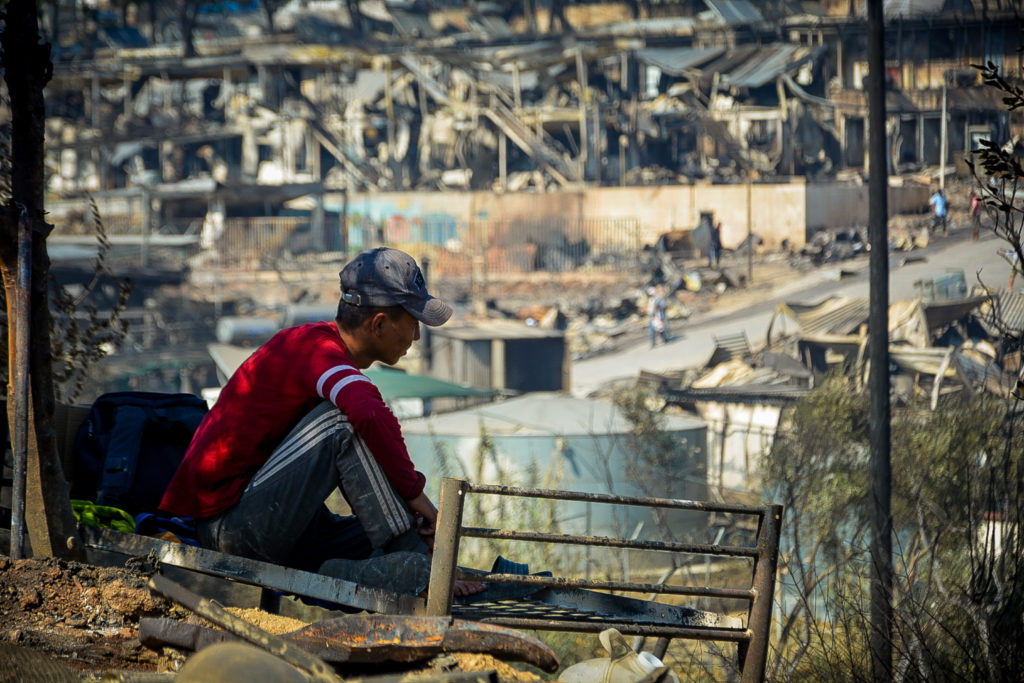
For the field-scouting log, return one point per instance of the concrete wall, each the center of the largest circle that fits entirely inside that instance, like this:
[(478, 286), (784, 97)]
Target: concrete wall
[(844, 205), (778, 212)]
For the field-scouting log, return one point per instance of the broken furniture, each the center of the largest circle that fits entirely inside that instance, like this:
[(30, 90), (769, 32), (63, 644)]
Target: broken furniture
[(575, 604)]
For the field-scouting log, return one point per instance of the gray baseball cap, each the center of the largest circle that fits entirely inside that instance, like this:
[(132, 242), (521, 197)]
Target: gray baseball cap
[(389, 277)]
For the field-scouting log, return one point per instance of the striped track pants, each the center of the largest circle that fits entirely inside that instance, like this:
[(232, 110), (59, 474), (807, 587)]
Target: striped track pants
[(282, 518)]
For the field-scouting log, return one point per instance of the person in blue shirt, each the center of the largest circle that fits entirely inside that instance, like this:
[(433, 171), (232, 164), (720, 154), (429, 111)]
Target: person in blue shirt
[(657, 310), (939, 205)]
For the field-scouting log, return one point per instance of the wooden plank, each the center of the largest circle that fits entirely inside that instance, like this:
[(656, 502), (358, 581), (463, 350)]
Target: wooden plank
[(253, 572)]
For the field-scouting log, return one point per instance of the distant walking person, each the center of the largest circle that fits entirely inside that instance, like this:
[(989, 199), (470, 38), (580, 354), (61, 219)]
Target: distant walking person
[(1013, 259), (975, 215), (715, 249), (657, 314), (939, 206)]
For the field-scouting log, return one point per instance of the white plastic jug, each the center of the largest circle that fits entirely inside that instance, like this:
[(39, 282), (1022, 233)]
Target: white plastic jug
[(622, 665)]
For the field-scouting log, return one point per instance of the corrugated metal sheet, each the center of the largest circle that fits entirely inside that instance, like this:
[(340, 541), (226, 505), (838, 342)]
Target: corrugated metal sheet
[(921, 361), (528, 80), (912, 8), (461, 361), (897, 102), (412, 24), (975, 99), (747, 394), (835, 316), (735, 11), (737, 382), (941, 313), (766, 64), (731, 59), (1009, 306), (675, 61), (493, 27), (644, 28)]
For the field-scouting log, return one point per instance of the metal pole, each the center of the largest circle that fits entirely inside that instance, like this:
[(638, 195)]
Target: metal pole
[(943, 142), (581, 77), (426, 339), (880, 640), (754, 653), (20, 354), (503, 160), (750, 232), (147, 226)]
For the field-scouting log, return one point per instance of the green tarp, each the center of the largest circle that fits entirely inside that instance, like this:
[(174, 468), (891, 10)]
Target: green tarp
[(397, 384)]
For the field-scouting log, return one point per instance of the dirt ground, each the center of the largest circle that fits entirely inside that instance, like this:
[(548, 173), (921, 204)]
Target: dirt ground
[(86, 617), (70, 621)]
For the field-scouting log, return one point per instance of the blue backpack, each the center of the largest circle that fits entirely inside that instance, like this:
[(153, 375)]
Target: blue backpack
[(130, 445)]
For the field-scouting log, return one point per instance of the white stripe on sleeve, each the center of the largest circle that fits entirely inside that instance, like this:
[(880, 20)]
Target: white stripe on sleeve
[(330, 372), (342, 383)]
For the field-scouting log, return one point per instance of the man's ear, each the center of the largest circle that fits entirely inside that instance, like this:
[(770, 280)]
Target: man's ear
[(377, 323)]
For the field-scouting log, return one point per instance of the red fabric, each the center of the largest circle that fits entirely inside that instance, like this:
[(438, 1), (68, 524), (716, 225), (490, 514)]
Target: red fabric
[(269, 393)]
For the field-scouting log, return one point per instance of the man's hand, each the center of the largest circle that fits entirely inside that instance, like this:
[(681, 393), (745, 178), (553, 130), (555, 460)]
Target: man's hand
[(425, 514), (426, 518)]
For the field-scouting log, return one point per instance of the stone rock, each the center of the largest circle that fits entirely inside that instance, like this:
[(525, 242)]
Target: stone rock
[(128, 600), (30, 599)]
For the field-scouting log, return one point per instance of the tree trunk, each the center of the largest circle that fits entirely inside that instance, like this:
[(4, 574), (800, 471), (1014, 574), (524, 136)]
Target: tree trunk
[(49, 519)]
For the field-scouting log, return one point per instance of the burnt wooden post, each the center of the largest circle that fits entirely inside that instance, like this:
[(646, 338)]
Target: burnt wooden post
[(48, 517), (17, 354)]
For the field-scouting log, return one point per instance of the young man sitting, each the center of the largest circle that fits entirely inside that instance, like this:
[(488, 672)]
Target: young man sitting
[(299, 418)]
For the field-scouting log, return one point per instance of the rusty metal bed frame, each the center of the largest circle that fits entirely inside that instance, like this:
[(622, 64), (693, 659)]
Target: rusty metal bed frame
[(584, 605), (554, 603)]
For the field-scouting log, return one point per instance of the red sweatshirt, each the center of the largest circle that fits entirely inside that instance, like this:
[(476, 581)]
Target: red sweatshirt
[(269, 393)]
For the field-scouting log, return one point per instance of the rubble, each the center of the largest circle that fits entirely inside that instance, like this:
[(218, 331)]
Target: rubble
[(398, 96), (944, 344), (83, 615), (83, 620)]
